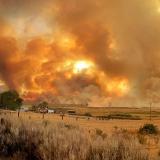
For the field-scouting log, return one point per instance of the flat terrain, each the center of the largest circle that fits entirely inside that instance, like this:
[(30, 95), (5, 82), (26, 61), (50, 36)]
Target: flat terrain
[(143, 112), (93, 123), (87, 122)]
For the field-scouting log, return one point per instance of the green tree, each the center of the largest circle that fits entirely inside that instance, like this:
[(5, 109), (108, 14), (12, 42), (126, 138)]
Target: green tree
[(148, 129), (43, 107), (10, 100)]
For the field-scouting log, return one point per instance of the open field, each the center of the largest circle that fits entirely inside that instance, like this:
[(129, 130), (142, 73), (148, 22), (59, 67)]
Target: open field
[(143, 112), (89, 126), (94, 122), (43, 139)]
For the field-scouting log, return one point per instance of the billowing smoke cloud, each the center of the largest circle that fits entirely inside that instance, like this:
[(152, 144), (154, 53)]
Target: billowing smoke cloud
[(41, 42)]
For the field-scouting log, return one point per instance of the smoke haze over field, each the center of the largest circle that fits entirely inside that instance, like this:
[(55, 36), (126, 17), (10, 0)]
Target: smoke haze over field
[(75, 51)]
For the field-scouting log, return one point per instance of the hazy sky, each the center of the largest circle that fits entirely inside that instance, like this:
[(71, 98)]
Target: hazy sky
[(79, 51)]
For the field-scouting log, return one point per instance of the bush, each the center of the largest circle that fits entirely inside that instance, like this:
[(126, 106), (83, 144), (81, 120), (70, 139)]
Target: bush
[(70, 126), (100, 133), (123, 116), (148, 129), (88, 114)]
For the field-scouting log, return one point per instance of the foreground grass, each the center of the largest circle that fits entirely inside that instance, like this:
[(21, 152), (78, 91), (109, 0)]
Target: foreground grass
[(28, 140)]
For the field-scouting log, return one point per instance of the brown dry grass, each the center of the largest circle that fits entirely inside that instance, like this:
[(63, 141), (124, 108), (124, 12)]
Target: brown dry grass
[(91, 123), (32, 138), (103, 111)]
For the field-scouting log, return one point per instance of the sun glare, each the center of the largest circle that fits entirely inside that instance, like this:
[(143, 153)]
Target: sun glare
[(81, 66)]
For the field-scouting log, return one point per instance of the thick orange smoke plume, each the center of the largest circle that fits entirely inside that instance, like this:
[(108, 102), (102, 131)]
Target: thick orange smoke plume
[(81, 51)]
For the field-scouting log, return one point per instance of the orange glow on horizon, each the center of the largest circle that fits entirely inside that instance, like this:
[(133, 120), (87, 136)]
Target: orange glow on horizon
[(120, 87)]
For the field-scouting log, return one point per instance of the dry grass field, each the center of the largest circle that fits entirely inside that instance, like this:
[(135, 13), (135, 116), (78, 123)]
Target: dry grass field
[(103, 111), (77, 137), (86, 122), (41, 139)]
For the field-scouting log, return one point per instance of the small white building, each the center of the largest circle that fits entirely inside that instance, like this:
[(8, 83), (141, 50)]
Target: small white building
[(51, 111), (24, 108)]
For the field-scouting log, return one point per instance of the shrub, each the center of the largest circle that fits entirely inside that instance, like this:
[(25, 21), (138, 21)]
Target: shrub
[(148, 129), (88, 114), (70, 126), (123, 116), (100, 133)]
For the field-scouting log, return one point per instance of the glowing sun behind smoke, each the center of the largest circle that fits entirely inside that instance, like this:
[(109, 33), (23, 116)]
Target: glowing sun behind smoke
[(81, 66)]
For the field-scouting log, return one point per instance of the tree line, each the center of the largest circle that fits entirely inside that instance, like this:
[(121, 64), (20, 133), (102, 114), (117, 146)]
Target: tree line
[(10, 100)]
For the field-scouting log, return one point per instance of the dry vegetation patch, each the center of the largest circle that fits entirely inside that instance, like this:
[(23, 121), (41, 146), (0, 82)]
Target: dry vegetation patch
[(28, 140)]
